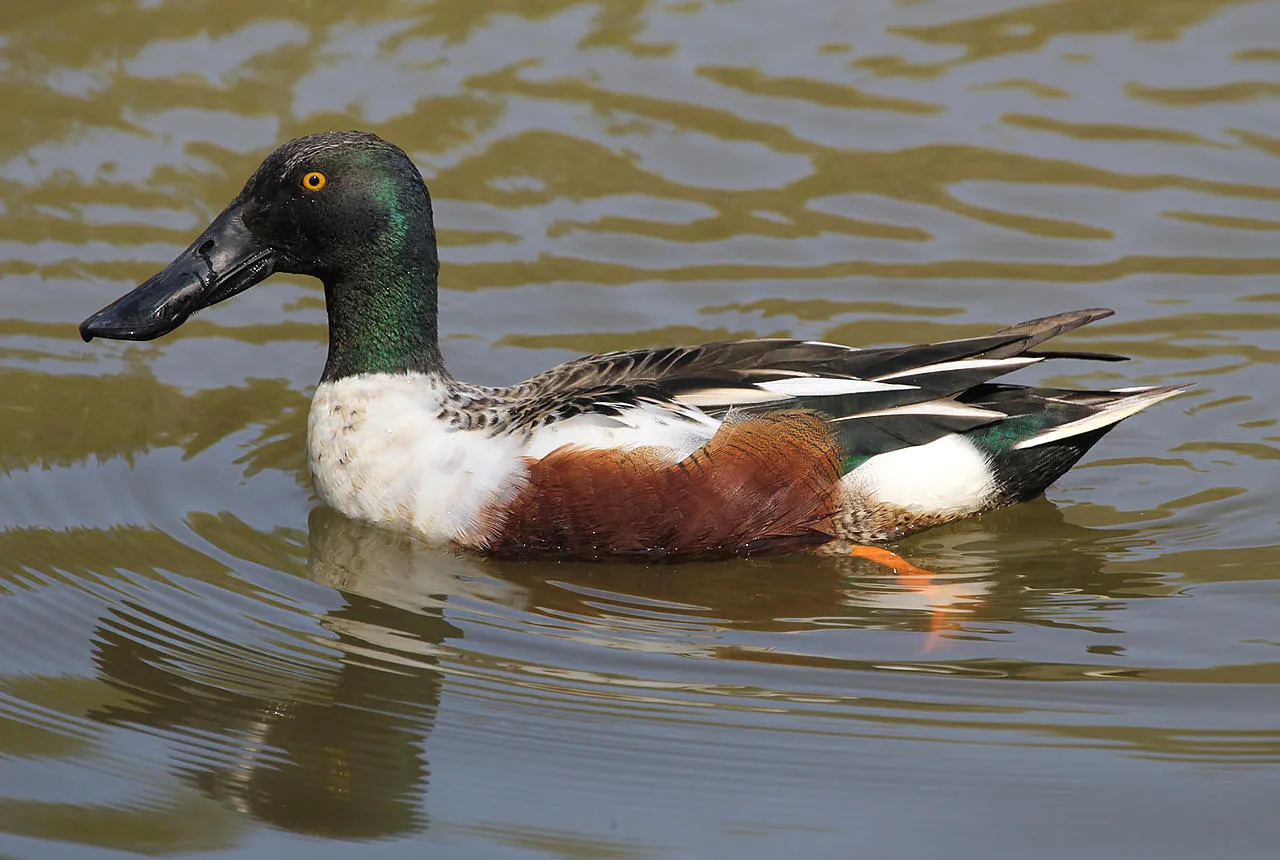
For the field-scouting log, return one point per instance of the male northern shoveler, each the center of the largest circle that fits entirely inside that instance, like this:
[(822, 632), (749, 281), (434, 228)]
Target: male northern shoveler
[(677, 452)]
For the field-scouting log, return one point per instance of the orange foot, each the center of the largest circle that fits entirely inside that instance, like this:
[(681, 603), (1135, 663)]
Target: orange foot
[(893, 561), (919, 580)]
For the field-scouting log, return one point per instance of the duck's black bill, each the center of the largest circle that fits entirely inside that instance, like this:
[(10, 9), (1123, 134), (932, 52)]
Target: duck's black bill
[(223, 261)]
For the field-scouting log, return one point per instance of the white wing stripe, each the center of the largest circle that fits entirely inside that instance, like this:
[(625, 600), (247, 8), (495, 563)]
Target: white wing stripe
[(729, 397), (941, 408), (1007, 364), (819, 386), (836, 345)]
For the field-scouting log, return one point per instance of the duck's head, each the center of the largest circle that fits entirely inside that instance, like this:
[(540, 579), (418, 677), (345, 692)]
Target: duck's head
[(327, 205)]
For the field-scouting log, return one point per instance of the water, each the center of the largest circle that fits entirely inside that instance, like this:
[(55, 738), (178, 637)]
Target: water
[(193, 659)]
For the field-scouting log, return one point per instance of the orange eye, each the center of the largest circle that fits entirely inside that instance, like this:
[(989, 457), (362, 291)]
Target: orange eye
[(314, 181)]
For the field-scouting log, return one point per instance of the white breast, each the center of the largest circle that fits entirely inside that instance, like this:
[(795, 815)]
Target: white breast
[(379, 452)]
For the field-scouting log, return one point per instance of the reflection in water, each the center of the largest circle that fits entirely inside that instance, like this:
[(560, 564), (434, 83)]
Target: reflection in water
[(1010, 567), (344, 762), (620, 173), (325, 726), (329, 745), (334, 740)]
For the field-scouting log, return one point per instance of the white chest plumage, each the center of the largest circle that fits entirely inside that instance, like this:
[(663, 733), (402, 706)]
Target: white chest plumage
[(379, 452)]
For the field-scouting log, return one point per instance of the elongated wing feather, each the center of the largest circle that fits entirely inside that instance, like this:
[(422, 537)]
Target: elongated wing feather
[(877, 399)]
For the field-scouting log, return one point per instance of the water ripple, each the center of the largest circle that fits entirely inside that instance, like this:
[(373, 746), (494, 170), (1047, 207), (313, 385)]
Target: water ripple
[(191, 660)]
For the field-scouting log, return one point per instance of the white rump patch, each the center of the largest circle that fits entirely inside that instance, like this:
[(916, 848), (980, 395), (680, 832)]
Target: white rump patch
[(947, 476), (1005, 365), (821, 386)]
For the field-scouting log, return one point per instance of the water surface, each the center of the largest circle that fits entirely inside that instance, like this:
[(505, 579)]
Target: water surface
[(196, 659)]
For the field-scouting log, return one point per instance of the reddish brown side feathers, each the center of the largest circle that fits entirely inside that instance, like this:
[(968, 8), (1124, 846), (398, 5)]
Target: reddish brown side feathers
[(761, 484)]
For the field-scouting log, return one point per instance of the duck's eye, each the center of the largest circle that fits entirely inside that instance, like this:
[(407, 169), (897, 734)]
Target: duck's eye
[(314, 181)]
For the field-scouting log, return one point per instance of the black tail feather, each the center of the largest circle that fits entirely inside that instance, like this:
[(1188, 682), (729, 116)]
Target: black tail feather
[(1034, 332)]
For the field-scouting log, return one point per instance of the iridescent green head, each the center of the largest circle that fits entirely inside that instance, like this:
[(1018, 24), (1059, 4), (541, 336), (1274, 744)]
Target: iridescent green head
[(329, 203), (346, 207)]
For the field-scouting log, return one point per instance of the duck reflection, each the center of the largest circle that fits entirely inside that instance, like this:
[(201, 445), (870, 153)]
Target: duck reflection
[(333, 740), (1014, 565), (325, 746)]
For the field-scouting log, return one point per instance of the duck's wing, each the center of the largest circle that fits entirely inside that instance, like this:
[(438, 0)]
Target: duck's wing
[(899, 396), (756, 445)]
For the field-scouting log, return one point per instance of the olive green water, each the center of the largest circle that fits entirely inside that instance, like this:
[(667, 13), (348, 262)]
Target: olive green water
[(195, 659)]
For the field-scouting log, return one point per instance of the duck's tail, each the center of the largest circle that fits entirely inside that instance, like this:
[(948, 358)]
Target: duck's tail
[(1049, 430)]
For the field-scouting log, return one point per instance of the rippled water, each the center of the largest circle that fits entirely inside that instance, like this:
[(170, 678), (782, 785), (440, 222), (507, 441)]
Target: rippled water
[(194, 660)]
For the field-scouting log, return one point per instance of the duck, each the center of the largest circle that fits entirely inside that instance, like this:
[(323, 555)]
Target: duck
[(669, 453)]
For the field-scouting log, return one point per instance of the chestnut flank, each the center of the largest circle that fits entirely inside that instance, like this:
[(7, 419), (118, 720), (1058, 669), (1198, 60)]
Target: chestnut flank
[(761, 484)]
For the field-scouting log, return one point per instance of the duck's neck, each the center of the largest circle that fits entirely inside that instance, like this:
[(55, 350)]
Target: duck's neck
[(382, 310)]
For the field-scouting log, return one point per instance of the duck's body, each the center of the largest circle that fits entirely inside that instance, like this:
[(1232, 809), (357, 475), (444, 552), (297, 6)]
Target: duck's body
[(724, 448)]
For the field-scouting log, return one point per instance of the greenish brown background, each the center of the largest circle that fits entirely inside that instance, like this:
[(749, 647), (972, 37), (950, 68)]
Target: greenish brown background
[(194, 661)]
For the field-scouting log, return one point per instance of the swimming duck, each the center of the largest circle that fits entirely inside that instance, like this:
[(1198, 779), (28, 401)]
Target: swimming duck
[(727, 448)]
